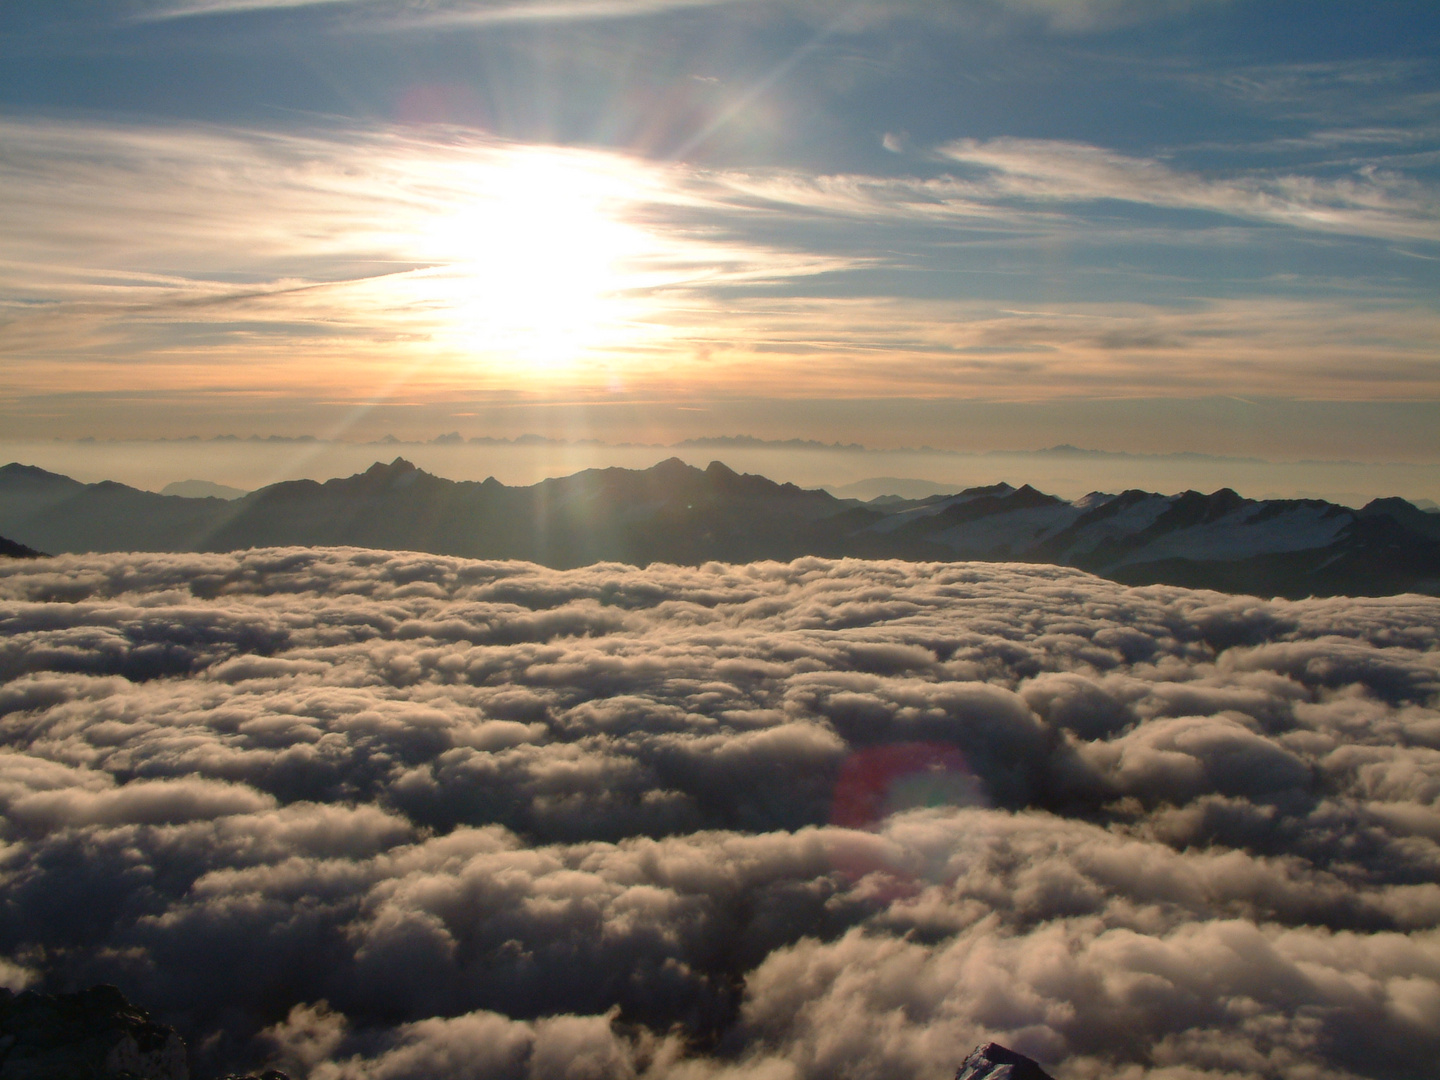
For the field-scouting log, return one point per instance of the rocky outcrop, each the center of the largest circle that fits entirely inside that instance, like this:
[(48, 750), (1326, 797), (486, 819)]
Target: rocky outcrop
[(93, 1035), (995, 1062), (10, 549)]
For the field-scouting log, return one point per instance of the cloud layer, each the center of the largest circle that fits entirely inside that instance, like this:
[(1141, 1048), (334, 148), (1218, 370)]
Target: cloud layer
[(385, 815)]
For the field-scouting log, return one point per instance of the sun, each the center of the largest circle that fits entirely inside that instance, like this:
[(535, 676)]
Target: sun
[(536, 266)]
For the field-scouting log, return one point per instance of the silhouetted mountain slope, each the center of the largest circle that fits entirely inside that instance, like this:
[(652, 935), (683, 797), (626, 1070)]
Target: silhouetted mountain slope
[(1427, 523), (9, 549), (676, 513), (671, 513), (55, 513)]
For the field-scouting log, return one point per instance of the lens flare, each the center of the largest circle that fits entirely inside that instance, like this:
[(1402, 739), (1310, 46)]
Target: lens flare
[(883, 780)]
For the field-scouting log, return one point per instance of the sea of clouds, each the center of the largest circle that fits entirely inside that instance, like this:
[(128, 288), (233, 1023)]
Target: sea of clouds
[(371, 816)]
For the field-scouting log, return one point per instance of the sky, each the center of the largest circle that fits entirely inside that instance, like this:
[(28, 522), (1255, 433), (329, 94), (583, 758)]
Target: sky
[(1151, 226)]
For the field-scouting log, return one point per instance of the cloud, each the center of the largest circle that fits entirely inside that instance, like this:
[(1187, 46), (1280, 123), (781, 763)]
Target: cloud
[(1370, 202), (1323, 93), (1064, 16), (437, 817), (15, 977), (1082, 16), (404, 251), (148, 803), (454, 12)]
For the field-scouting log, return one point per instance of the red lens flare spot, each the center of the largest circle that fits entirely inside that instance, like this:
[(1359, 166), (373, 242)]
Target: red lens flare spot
[(880, 781)]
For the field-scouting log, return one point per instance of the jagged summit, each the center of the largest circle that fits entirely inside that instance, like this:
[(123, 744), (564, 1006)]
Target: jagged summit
[(395, 471), (995, 1062)]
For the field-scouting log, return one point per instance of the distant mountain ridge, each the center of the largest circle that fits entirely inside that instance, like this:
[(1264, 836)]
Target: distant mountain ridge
[(676, 513), (202, 489)]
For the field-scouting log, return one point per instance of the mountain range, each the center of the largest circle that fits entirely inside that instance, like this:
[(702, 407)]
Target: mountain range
[(676, 513)]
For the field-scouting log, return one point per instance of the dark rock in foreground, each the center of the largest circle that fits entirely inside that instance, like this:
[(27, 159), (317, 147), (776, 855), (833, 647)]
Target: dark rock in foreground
[(995, 1062), (93, 1035)]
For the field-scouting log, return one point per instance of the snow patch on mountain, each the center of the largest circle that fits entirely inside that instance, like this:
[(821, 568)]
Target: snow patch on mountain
[(1253, 530)]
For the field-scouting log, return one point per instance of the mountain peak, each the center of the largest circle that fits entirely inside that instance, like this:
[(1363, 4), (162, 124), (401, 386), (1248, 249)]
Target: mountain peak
[(381, 476), (16, 473), (1002, 488), (1404, 513), (995, 1062)]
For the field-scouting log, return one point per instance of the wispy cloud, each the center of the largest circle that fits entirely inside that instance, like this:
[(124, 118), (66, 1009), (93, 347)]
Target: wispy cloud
[(881, 347), (1376, 96), (1369, 202), (184, 243), (1064, 16), (1088, 15), (147, 258), (440, 11), (1300, 83)]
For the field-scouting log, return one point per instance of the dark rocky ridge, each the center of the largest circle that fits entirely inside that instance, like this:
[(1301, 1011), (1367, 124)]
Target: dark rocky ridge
[(95, 1034), (995, 1062), (92, 1035), (9, 549), (675, 513)]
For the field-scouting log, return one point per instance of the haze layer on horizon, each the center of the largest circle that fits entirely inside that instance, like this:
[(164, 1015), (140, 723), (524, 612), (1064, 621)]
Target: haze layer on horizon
[(1197, 225)]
